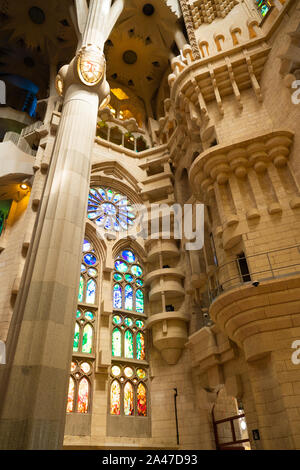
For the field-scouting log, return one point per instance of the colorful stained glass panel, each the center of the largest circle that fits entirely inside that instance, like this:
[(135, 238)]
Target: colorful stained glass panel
[(140, 323), (85, 366), (92, 272), (128, 399), (76, 338), (89, 316), (115, 398), (87, 341), (128, 372), (90, 259), (117, 319), (140, 347), (139, 299), (117, 296), (141, 373), (116, 343), (136, 270), (83, 396), (141, 400), (128, 344), (129, 256), (80, 293), (91, 291), (128, 321), (121, 266), (128, 298), (118, 277), (116, 371), (128, 278), (71, 392)]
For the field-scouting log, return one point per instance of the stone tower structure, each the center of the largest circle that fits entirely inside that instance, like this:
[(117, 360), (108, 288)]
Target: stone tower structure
[(127, 128)]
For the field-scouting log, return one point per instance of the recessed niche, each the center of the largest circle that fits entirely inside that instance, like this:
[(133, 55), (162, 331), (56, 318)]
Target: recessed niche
[(37, 15), (148, 9), (129, 57)]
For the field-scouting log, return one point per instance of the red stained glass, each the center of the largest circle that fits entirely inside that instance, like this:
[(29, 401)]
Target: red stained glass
[(71, 391), (142, 400), (115, 398), (83, 396)]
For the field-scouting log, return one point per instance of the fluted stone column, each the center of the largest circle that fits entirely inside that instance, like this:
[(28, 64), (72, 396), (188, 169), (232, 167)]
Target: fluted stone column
[(34, 384)]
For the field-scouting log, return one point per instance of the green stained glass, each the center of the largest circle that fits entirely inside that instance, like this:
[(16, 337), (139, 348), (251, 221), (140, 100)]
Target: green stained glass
[(136, 270), (141, 373), (117, 319), (116, 342), (121, 266), (140, 347), (139, 300), (87, 341), (76, 338), (139, 283), (78, 314), (128, 277), (128, 344), (128, 321), (80, 294), (140, 324), (118, 277), (89, 316)]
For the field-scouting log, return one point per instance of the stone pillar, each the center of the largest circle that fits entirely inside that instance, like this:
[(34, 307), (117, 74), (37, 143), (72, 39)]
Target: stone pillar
[(34, 382)]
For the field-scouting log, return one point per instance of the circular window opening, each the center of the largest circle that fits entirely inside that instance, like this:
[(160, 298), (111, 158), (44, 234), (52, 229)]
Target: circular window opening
[(148, 9), (37, 15), (129, 57)]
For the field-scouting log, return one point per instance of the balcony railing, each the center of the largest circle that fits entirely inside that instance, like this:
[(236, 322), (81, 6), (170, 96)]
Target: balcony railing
[(255, 269)]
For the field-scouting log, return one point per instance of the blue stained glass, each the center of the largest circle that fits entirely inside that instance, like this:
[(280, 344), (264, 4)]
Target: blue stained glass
[(92, 215), (136, 270), (118, 277), (100, 220), (109, 209), (128, 256), (117, 198), (121, 266), (110, 194), (128, 277), (128, 297), (108, 223), (117, 297), (102, 193), (91, 292), (90, 259), (139, 301), (139, 283)]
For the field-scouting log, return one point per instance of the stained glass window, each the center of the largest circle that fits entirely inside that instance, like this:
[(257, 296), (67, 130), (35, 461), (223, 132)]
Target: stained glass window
[(128, 297), (140, 347), (115, 398), (141, 400), (79, 395), (87, 341), (71, 395), (128, 293), (128, 344), (79, 387), (110, 210), (116, 343), (264, 7), (83, 396), (128, 399), (129, 391)]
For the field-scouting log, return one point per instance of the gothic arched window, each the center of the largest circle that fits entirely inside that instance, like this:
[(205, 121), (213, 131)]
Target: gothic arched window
[(264, 7), (79, 395), (128, 389)]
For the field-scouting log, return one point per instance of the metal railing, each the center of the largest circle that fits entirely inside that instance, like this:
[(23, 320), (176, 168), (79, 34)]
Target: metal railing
[(254, 269)]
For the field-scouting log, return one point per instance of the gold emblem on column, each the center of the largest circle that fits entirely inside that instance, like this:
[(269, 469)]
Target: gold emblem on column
[(59, 85), (90, 65)]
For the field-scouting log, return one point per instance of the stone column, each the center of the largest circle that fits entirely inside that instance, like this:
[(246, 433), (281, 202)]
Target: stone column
[(34, 382)]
